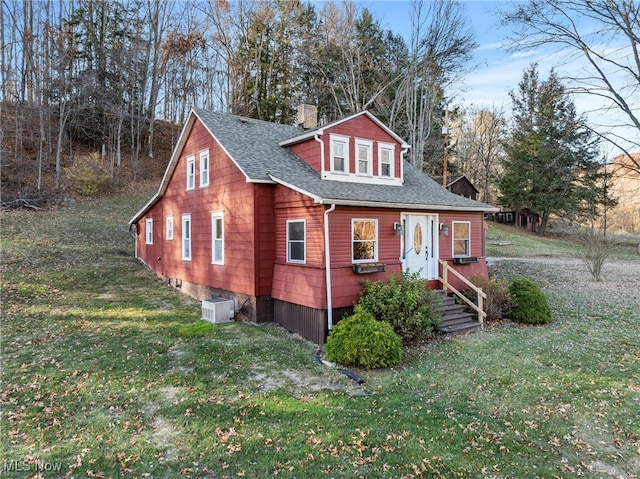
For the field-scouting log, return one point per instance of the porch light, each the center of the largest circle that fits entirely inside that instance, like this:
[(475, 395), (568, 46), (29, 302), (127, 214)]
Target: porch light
[(444, 229), (398, 228)]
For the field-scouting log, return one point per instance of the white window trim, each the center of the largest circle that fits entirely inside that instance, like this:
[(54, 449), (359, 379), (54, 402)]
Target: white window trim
[(453, 239), (148, 231), (304, 242), (204, 172), (169, 227), (375, 244), (392, 160), (345, 141), (215, 215), (185, 239), (191, 172), (369, 147)]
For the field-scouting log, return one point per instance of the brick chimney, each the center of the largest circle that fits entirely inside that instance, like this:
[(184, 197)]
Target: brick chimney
[(308, 116)]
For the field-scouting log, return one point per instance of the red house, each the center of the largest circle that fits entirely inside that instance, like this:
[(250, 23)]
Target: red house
[(275, 216)]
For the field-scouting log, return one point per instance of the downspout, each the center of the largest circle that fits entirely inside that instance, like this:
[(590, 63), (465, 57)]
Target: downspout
[(402, 153), (327, 260), (133, 232), (317, 138), (327, 253)]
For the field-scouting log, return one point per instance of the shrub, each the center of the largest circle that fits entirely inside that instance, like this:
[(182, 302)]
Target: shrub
[(529, 302), (404, 303), (498, 302), (362, 341), (87, 176)]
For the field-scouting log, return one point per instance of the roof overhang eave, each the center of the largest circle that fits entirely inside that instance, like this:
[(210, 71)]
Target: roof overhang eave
[(407, 206)]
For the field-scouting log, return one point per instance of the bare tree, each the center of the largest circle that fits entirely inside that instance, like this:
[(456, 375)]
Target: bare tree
[(604, 33), (439, 50), (479, 148), (158, 20), (353, 59)]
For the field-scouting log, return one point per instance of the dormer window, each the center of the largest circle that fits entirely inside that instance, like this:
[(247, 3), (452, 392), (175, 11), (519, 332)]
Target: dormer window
[(385, 160), (364, 153), (339, 154)]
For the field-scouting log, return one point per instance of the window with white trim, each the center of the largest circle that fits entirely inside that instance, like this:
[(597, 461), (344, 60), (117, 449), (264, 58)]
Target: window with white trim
[(217, 237), (191, 172), (186, 237), (364, 245), (169, 234), (296, 241), (339, 154), (204, 168), (461, 238), (385, 160), (364, 155), (148, 231)]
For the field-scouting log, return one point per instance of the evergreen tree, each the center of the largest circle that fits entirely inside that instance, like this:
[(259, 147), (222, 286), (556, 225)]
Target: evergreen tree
[(551, 157)]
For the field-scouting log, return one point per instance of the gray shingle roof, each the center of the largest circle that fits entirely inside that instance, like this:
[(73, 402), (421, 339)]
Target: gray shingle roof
[(254, 146)]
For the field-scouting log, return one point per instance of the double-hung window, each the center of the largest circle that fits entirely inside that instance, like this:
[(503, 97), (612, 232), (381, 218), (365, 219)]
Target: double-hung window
[(169, 234), (186, 237), (364, 234), (204, 168), (296, 241), (364, 155), (217, 237), (461, 238), (385, 160), (148, 231), (339, 154), (191, 172)]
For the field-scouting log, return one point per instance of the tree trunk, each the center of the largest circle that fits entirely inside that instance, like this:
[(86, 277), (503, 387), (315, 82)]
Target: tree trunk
[(544, 219)]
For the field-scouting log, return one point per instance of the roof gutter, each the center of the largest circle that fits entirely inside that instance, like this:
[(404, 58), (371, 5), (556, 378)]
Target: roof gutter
[(327, 260), (382, 204)]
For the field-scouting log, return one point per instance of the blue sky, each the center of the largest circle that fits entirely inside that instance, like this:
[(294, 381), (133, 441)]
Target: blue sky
[(498, 71)]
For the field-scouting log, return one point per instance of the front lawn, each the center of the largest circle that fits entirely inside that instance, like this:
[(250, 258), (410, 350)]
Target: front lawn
[(108, 373)]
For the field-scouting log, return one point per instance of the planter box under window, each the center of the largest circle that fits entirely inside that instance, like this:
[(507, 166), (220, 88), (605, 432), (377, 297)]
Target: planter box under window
[(466, 260), (365, 268)]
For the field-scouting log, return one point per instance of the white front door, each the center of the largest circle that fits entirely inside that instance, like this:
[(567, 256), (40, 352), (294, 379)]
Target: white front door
[(420, 245)]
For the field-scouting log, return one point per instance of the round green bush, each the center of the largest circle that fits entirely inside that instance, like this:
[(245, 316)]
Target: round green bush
[(362, 341), (529, 302)]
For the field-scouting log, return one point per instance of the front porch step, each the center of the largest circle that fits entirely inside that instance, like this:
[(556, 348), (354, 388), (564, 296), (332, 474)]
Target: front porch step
[(462, 328), (455, 319)]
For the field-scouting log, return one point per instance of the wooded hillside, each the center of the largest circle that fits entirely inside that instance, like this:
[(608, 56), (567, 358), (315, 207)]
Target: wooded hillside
[(84, 81)]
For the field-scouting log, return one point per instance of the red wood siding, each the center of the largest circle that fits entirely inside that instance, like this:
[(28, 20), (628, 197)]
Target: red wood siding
[(477, 245), (151, 254), (247, 268), (310, 151), (477, 233), (305, 284), (265, 229), (346, 285), (292, 282)]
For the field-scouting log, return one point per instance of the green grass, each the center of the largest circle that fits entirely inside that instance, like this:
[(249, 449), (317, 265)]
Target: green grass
[(108, 373), (509, 242)]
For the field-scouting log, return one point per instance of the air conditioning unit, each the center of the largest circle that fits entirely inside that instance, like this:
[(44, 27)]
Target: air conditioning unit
[(218, 310)]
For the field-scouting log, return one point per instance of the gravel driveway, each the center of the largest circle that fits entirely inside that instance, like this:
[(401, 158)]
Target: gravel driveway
[(621, 277)]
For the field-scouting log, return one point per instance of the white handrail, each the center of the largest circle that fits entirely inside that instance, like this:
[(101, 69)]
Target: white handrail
[(444, 279)]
